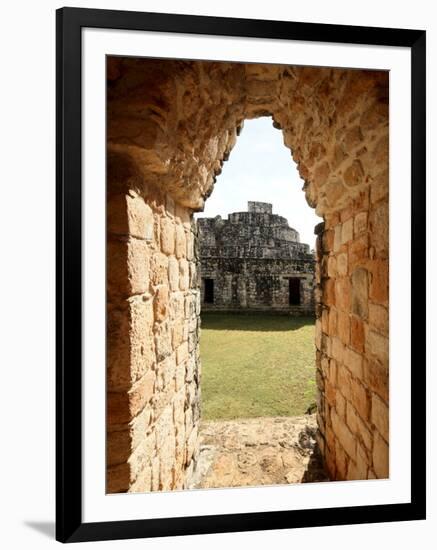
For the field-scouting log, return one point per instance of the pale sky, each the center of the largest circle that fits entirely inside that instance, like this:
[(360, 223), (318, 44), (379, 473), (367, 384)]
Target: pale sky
[(260, 168)]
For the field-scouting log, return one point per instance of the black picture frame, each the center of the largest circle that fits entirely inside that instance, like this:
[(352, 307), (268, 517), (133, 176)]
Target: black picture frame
[(69, 525)]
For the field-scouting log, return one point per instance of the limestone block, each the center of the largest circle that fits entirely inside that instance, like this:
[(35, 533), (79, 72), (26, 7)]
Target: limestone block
[(182, 353), (130, 343), (194, 276), (161, 302), (180, 377), (321, 174), (332, 266), (358, 251), (342, 264), (173, 273), (340, 405), (378, 318), (192, 444), (357, 334), (139, 460), (354, 174), (177, 305), (140, 426), (380, 151), (362, 462), (344, 380), (167, 464), (379, 228), (352, 138), (332, 321), (343, 327), (159, 269), (328, 292), (180, 448), (380, 416), (360, 293), (352, 418), (183, 274), (170, 206), (380, 457), (376, 376), (128, 267), (356, 471), (360, 223), (337, 237), (140, 218), (188, 420), (141, 392), (329, 391), (167, 236), (190, 246), (347, 231), (122, 406), (338, 350), (180, 249), (379, 187), (344, 435), (164, 426), (364, 435), (179, 409), (155, 467), (178, 333), (354, 362), (333, 368), (166, 370), (325, 321), (341, 462), (379, 282), (163, 343), (377, 345), (342, 294), (190, 369), (360, 398)]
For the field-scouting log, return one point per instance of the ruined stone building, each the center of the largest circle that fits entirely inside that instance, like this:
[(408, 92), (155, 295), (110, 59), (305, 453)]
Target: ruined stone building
[(255, 261)]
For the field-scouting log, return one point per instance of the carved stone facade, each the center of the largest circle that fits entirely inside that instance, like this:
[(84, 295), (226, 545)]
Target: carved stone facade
[(255, 261), (170, 126)]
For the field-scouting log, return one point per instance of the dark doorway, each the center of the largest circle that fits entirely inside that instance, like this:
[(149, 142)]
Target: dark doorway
[(294, 291), (209, 291)]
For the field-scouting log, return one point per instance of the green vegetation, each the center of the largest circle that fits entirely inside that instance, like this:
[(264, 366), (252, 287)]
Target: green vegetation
[(256, 365)]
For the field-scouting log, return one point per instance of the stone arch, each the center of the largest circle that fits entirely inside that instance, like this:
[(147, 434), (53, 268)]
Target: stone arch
[(170, 127)]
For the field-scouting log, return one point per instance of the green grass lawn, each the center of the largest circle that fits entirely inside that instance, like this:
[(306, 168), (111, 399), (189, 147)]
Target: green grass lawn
[(256, 365)]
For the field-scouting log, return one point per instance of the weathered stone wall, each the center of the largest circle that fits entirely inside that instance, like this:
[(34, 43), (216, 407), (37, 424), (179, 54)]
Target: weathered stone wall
[(352, 339), (250, 258), (171, 125), (153, 357)]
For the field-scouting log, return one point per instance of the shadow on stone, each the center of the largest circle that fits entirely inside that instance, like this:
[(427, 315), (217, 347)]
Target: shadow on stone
[(314, 472)]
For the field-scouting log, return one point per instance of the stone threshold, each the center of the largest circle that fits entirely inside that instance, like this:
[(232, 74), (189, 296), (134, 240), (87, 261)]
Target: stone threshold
[(258, 451)]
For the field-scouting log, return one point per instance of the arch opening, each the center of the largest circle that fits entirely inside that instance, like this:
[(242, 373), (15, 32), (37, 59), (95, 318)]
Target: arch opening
[(256, 241)]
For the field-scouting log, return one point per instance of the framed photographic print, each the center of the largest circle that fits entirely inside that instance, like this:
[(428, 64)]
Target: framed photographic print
[(241, 344)]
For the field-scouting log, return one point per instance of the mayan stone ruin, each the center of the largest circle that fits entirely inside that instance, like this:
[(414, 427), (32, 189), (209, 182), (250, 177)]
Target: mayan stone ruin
[(254, 261), (170, 126)]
